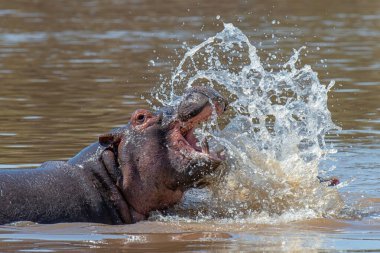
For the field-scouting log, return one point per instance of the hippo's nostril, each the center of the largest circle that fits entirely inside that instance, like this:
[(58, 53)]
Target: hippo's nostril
[(160, 118), (225, 104)]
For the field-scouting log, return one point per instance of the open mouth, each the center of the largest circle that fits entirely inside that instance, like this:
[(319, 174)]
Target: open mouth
[(198, 105), (188, 144)]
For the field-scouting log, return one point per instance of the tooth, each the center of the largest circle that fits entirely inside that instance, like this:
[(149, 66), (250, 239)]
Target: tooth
[(205, 147)]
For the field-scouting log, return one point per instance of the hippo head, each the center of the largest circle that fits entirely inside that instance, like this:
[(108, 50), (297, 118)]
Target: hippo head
[(158, 155)]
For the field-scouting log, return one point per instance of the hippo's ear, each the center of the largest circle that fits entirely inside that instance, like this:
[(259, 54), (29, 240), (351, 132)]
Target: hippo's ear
[(109, 139)]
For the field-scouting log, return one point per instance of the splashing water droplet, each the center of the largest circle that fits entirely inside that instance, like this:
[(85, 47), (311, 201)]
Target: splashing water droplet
[(274, 138)]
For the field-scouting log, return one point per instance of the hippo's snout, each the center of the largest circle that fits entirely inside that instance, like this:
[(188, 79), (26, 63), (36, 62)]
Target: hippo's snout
[(196, 99)]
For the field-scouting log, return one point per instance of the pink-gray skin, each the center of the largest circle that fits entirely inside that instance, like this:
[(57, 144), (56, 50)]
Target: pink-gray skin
[(146, 165)]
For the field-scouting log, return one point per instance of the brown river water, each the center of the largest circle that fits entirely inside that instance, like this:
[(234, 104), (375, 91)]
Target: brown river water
[(71, 70)]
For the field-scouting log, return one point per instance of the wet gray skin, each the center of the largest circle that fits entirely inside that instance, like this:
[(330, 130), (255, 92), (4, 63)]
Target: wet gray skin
[(146, 165)]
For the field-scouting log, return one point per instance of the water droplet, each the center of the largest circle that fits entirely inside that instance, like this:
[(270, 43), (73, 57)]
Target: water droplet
[(275, 140)]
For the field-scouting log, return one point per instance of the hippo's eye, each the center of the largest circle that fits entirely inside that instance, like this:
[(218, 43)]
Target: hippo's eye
[(140, 118)]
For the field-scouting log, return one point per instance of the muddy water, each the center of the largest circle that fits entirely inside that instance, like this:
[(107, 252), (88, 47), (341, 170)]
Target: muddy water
[(70, 71)]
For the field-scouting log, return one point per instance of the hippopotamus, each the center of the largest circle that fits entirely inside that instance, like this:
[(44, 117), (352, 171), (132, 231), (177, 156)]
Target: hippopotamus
[(145, 165)]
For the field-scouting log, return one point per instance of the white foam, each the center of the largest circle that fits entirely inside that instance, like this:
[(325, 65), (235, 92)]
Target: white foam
[(275, 138)]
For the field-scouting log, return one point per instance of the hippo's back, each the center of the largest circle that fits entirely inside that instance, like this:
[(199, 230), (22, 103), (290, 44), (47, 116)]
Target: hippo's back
[(55, 192)]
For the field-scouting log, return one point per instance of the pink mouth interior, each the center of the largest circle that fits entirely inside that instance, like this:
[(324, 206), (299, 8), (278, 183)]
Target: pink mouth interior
[(186, 139), (192, 140)]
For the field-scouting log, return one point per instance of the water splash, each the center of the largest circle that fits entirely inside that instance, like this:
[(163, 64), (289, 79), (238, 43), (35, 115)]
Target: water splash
[(273, 135)]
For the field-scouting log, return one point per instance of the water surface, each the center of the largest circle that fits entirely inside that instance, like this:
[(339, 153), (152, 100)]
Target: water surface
[(72, 70)]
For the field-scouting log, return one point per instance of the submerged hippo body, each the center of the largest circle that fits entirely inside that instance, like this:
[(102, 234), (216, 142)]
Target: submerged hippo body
[(146, 165)]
